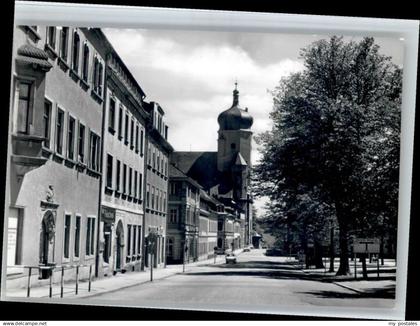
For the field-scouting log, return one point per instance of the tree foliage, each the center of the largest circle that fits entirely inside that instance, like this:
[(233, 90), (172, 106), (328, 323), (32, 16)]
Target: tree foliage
[(334, 145)]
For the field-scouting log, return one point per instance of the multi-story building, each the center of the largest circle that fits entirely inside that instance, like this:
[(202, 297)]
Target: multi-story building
[(122, 208), (54, 146), (207, 238), (156, 183), (183, 219)]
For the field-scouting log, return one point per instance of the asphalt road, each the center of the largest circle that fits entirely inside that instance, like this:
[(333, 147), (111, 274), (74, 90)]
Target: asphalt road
[(255, 281)]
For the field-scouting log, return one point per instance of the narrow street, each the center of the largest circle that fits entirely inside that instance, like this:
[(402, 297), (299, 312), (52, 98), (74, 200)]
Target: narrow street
[(256, 280)]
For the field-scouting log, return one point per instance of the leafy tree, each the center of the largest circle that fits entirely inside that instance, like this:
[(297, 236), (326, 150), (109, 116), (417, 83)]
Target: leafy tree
[(336, 134)]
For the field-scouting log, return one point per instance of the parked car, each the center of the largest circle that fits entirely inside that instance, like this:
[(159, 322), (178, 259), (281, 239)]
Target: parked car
[(230, 258), (247, 249)]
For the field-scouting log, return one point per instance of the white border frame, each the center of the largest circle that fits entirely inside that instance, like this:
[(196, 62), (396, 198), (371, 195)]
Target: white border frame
[(39, 13)]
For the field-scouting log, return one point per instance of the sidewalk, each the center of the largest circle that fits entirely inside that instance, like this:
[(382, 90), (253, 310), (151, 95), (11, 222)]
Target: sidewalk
[(112, 283)]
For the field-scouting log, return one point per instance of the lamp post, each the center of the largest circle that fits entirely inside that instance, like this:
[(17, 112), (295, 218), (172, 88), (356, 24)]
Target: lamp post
[(331, 245)]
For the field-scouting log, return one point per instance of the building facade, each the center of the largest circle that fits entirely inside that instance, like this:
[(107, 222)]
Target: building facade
[(122, 206), (183, 219), (157, 179), (207, 237), (54, 146)]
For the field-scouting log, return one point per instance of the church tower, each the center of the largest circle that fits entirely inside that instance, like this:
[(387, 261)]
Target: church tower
[(234, 162), (234, 135)]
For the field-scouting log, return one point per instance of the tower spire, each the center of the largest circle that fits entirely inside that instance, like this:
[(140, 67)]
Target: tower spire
[(236, 94)]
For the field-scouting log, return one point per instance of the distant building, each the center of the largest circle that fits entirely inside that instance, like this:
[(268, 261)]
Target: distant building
[(184, 217), (54, 163), (225, 175)]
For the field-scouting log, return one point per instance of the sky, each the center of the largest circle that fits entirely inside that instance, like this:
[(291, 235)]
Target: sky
[(191, 74)]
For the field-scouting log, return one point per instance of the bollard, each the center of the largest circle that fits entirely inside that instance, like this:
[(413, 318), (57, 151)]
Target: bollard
[(29, 282), (51, 276), (77, 279), (62, 282), (90, 277)]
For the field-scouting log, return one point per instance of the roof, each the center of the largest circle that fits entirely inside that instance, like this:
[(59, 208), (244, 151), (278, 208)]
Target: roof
[(194, 163), (176, 173), (240, 160)]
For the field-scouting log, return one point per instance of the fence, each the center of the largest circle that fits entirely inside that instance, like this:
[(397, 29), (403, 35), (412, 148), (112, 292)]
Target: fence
[(49, 270)]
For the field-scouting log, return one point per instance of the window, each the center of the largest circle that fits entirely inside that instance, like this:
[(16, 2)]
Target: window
[(51, 36), (148, 195), (90, 236), (173, 188), (126, 129), (164, 202), (149, 154), (139, 240), (137, 138), (85, 70), (47, 123), (173, 215), (109, 163), (77, 237), (154, 158), (141, 142), (111, 116), (24, 106), (120, 123), (128, 240), (81, 147), (63, 42), (135, 184), (76, 46), (124, 179), (132, 134), (118, 175), (134, 239), (59, 132), (140, 185), (67, 224), (158, 161), (97, 76), (70, 138), (130, 182), (94, 151), (153, 197), (220, 225)]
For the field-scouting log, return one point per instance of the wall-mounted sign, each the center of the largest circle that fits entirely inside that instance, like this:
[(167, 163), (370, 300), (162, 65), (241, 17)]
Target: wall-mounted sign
[(107, 214)]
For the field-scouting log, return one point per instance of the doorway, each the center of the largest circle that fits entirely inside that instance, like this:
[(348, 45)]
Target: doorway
[(119, 246), (46, 252)]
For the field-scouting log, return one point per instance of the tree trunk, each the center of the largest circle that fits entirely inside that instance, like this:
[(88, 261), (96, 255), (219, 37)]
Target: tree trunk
[(318, 255), (364, 269), (344, 268)]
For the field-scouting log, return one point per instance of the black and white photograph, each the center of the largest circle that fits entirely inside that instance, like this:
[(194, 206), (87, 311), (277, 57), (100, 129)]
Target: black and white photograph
[(213, 169)]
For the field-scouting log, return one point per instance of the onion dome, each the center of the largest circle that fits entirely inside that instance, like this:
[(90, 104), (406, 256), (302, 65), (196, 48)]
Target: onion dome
[(235, 118)]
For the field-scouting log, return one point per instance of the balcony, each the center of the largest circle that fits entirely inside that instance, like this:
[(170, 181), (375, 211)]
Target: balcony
[(27, 152)]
